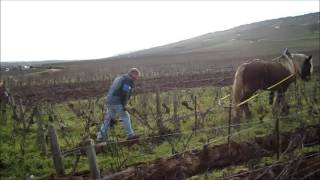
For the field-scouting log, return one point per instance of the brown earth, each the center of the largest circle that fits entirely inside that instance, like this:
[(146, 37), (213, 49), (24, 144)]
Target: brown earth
[(65, 92), (190, 163), (305, 167)]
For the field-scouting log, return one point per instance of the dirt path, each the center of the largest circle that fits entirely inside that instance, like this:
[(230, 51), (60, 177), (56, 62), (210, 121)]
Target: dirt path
[(65, 92)]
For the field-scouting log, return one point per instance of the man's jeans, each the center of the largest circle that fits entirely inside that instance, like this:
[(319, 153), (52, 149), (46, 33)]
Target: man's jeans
[(111, 113)]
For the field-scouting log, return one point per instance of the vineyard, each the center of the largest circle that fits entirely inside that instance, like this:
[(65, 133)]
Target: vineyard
[(185, 129)]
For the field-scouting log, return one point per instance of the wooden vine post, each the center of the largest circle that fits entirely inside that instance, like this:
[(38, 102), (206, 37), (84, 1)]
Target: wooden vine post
[(159, 116), (229, 122), (56, 152), (175, 112), (276, 114), (41, 138), (278, 137), (144, 103), (92, 159), (195, 115)]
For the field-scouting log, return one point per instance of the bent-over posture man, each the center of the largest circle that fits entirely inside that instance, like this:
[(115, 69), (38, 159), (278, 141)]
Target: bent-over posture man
[(117, 98)]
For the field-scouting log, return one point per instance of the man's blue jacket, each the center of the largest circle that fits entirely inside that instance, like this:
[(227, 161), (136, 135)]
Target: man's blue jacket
[(120, 90)]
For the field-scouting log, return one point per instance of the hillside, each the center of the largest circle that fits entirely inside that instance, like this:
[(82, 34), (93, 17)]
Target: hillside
[(267, 37), (219, 49), (207, 52)]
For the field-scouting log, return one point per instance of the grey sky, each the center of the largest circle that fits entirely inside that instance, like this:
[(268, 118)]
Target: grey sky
[(51, 30)]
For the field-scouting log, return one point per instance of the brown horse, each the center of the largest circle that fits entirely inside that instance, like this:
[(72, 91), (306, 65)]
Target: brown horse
[(259, 74)]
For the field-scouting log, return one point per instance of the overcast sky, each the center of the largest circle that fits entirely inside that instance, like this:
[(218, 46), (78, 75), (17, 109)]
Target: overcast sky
[(75, 30)]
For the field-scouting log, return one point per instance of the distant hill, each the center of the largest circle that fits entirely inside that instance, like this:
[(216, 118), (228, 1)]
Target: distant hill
[(299, 33), (30, 63), (208, 52)]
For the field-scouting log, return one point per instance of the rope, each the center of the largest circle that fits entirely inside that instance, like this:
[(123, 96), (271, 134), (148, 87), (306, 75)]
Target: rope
[(247, 100), (225, 97), (269, 88), (283, 80)]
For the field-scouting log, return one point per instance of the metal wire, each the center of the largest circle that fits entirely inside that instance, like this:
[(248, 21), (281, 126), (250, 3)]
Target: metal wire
[(270, 166), (77, 149)]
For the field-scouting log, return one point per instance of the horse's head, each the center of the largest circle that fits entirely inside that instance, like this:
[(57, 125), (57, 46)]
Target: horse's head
[(302, 63)]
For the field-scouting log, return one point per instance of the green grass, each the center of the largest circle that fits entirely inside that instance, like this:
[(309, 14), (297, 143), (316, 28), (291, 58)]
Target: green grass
[(16, 164), (254, 164)]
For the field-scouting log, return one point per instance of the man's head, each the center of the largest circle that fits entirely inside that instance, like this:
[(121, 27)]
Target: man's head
[(134, 73)]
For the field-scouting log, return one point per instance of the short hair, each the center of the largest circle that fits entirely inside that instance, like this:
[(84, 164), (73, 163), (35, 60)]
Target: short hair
[(134, 71)]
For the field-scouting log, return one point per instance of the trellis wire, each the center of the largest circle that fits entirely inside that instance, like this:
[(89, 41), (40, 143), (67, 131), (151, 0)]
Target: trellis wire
[(270, 166)]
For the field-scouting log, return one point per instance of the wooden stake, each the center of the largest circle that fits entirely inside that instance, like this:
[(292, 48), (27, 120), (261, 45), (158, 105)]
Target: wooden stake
[(92, 159), (195, 114), (278, 138), (56, 152), (229, 124), (158, 106), (175, 112), (41, 138)]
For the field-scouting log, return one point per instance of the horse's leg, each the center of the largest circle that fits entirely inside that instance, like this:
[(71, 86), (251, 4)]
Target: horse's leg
[(237, 113), (245, 106), (236, 110)]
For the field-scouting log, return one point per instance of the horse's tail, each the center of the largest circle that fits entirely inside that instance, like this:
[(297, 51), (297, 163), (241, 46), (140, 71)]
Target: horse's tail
[(237, 93)]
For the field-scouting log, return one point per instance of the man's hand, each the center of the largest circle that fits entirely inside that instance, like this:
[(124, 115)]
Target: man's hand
[(126, 108)]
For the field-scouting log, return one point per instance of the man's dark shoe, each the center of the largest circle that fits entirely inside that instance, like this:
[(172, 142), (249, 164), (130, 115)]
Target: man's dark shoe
[(134, 137), (99, 141)]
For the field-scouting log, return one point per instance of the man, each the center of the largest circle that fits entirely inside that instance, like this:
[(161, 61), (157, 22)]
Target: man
[(117, 98)]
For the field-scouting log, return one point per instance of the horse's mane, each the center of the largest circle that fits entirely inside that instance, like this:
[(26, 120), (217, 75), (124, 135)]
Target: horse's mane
[(286, 62)]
